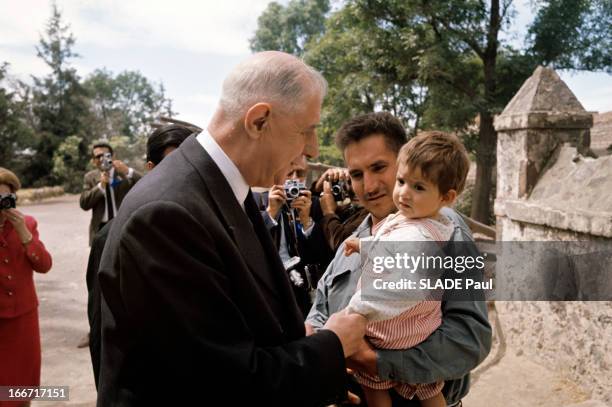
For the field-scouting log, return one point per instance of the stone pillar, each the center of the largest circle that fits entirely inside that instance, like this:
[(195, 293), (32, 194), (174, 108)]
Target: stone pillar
[(543, 115)]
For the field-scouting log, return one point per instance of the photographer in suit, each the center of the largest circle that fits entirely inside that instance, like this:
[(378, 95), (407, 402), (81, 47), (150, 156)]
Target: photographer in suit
[(105, 187), (291, 215), (103, 191)]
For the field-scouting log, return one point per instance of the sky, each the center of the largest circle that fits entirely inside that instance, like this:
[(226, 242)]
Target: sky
[(189, 45)]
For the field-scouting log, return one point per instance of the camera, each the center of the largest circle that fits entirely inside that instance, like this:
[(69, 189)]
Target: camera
[(339, 190), (8, 201), (293, 188), (106, 162)]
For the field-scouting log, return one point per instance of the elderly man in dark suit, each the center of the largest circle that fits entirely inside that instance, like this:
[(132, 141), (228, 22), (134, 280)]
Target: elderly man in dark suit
[(105, 188), (196, 304)]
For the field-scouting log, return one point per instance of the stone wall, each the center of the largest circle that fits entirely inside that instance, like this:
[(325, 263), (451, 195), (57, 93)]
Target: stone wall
[(549, 190), (601, 133)]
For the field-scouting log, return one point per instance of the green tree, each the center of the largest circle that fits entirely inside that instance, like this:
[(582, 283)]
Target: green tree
[(365, 65), (124, 104), (289, 28), (15, 135), (573, 34), (59, 102), (67, 162)]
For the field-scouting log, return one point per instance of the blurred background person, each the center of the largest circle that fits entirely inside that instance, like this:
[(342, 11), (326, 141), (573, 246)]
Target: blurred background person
[(105, 187), (292, 214), (163, 141), (339, 218), (21, 253), (103, 191)]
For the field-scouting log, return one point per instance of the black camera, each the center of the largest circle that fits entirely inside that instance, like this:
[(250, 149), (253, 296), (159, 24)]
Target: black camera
[(106, 162), (340, 190), (8, 201), (293, 189)]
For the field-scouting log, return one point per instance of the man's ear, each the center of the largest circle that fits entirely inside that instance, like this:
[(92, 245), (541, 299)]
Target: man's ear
[(449, 197), (257, 118), (149, 165)]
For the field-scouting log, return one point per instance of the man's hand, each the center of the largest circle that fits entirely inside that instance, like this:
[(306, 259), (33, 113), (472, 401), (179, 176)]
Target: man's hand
[(351, 245), (121, 167), (364, 359), (303, 203), (309, 329), (327, 201), (349, 328), (332, 175), (104, 179), (276, 200)]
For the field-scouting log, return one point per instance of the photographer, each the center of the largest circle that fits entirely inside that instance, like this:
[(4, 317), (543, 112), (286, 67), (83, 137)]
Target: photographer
[(103, 191), (339, 220), (21, 253), (105, 187), (291, 215)]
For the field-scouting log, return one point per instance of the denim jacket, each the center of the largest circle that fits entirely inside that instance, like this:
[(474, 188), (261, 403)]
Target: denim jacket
[(462, 341)]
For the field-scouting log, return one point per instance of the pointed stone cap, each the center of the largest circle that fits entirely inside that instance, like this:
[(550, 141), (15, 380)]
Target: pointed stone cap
[(544, 102)]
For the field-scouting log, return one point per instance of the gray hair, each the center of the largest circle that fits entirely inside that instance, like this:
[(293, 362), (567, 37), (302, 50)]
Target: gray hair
[(271, 77)]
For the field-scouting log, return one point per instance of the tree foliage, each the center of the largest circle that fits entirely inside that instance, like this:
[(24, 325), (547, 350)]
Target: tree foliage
[(573, 34), (290, 28), (124, 104), (15, 135), (67, 162), (59, 101)]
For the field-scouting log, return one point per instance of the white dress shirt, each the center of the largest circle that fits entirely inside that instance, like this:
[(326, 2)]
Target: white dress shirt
[(226, 165)]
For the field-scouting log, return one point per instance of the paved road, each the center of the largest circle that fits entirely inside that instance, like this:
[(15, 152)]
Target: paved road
[(63, 298)]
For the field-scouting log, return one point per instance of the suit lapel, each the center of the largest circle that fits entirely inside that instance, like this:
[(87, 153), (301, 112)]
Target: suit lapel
[(233, 216)]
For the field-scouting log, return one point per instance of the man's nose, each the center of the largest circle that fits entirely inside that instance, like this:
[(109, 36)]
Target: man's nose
[(311, 148), (370, 183)]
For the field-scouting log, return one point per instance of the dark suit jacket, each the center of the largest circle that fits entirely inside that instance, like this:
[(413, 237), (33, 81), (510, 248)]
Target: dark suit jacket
[(94, 297), (196, 305), (93, 198)]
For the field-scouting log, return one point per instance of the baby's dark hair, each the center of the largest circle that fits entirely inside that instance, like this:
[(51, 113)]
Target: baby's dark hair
[(440, 156)]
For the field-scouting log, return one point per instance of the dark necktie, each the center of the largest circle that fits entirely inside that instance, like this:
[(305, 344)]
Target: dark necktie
[(251, 209), (109, 203), (288, 225)]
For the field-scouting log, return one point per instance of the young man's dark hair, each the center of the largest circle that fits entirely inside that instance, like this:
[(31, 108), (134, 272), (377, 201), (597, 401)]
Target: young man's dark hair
[(365, 125), (102, 144), (171, 135)]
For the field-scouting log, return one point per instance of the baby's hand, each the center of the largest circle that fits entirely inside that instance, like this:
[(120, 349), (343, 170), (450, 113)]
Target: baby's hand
[(351, 245)]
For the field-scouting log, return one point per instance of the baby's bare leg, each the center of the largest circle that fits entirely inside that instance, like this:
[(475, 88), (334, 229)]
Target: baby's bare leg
[(435, 401), (377, 398)]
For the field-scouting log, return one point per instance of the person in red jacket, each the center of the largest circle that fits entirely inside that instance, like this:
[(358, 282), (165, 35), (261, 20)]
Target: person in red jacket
[(21, 253)]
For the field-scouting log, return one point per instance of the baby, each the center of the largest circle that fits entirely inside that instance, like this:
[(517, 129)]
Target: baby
[(432, 169)]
